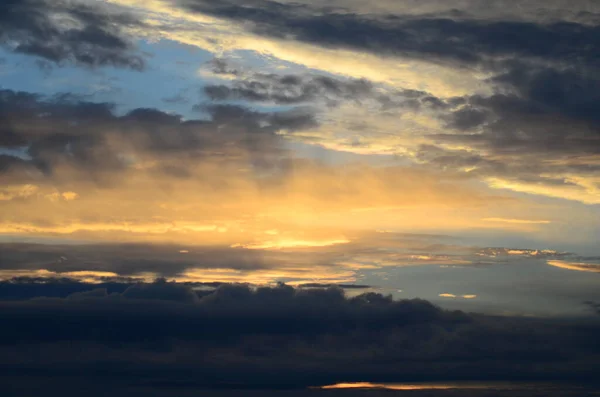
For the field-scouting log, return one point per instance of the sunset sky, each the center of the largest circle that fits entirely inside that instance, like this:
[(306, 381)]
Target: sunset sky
[(447, 150)]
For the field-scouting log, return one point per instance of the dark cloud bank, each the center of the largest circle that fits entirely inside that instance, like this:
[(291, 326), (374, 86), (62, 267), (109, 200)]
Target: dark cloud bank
[(168, 336)]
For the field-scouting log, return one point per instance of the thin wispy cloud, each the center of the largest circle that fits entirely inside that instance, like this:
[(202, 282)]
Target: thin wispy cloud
[(518, 221)]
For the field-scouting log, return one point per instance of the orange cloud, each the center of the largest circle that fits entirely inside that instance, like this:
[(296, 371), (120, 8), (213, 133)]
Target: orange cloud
[(578, 266), (398, 386), (518, 221)]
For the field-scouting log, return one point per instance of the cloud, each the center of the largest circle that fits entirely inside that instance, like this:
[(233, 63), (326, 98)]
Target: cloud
[(62, 32), (519, 142), (399, 116), (84, 276), (391, 386), (446, 295), (124, 259), (276, 244), (580, 189), (165, 176), (463, 40), (585, 12), (17, 191), (518, 138), (525, 221), (220, 36), (68, 131), (453, 296), (232, 174), (99, 263), (291, 89), (365, 254), (240, 336), (524, 125), (539, 137), (521, 252), (579, 266), (594, 306), (161, 290)]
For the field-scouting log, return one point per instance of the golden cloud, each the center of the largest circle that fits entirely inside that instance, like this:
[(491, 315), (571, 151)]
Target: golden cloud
[(578, 266), (518, 221)]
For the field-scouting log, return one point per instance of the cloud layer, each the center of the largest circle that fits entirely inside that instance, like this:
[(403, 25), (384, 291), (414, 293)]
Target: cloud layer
[(525, 122), (169, 329), (203, 196)]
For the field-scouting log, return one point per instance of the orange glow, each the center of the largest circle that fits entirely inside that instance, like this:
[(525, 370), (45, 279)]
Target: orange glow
[(518, 221), (289, 213), (293, 275), (582, 267), (86, 276), (278, 244), (446, 295), (400, 386)]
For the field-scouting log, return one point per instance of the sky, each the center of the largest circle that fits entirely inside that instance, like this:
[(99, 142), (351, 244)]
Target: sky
[(248, 161)]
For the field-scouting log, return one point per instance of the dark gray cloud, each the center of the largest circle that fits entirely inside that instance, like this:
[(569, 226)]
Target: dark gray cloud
[(24, 288), (238, 337), (314, 91), (256, 122), (509, 124), (595, 306), (468, 41), (129, 259), (220, 66), (291, 89), (60, 31), (541, 126), (68, 129), (545, 126), (570, 91)]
